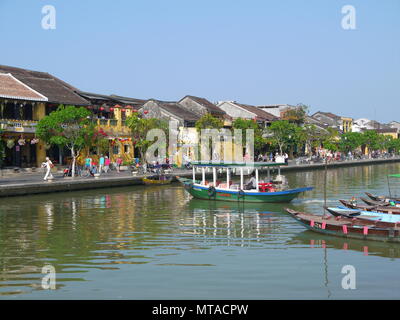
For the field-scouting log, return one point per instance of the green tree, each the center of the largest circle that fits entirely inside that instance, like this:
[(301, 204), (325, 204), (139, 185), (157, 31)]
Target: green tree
[(330, 140), (282, 134), (244, 124), (310, 136), (393, 145), (208, 121), (140, 127), (350, 141), (372, 140), (67, 127), (296, 114)]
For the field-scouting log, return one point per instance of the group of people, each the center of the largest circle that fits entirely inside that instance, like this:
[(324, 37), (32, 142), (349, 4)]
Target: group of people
[(273, 157), (279, 183), (102, 166)]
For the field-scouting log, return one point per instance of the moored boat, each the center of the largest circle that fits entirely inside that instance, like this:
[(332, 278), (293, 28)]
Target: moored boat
[(382, 198), (367, 215), (261, 192), (375, 203), (347, 227), (383, 209), (157, 180)]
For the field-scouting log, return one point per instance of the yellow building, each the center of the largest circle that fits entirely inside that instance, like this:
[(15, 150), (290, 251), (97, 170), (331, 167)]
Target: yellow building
[(391, 132), (26, 97), (110, 114), (347, 124)]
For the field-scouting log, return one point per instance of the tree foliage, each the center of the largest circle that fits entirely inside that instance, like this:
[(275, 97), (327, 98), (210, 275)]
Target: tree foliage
[(392, 144), (330, 140), (309, 136), (283, 135), (140, 127), (67, 127), (244, 124), (208, 121), (372, 140), (350, 141), (296, 114)]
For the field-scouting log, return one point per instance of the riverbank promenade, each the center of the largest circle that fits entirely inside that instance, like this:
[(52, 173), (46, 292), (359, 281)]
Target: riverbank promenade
[(24, 183)]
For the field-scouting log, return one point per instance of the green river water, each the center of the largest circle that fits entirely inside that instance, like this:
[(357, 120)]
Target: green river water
[(157, 243)]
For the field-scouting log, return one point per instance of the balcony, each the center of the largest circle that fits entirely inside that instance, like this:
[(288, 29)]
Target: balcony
[(113, 126), (20, 126)]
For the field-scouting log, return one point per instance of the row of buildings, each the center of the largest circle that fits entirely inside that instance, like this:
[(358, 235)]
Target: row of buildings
[(27, 96)]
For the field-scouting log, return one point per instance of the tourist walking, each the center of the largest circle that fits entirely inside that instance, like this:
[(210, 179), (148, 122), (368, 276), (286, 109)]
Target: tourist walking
[(88, 163), (48, 165), (119, 162), (101, 163), (106, 164)]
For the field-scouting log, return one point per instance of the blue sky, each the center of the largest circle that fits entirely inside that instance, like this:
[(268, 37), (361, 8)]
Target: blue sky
[(255, 52)]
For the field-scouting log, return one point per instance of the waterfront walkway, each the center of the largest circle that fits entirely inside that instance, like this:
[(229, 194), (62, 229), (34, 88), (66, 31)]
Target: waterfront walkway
[(32, 183)]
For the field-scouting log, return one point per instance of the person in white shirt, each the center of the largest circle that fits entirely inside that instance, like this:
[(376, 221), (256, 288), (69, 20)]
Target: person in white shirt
[(48, 165)]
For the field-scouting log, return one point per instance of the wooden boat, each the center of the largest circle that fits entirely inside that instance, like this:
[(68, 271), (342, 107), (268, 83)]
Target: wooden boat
[(228, 192), (157, 180), (382, 198), (368, 215), (375, 203), (347, 227), (383, 209)]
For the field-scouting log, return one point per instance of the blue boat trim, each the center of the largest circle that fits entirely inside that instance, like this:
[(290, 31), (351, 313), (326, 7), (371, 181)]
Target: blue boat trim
[(291, 191)]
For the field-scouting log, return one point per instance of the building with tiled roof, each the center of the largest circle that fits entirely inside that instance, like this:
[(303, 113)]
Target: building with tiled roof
[(26, 96), (239, 110), (344, 124), (169, 110), (201, 106), (56, 91), (12, 88)]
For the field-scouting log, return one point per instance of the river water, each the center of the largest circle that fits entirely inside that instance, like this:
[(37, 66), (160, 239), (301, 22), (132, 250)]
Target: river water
[(158, 243)]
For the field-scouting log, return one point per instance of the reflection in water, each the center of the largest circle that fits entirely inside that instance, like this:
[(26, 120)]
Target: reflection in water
[(160, 230), (366, 248)]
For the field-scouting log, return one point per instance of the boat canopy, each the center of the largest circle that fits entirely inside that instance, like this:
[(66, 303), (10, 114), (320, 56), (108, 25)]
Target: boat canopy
[(237, 164), (394, 175)]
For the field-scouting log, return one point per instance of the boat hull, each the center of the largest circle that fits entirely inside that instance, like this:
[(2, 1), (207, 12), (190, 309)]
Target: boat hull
[(354, 228), (152, 181), (389, 219), (382, 198), (392, 210), (201, 192)]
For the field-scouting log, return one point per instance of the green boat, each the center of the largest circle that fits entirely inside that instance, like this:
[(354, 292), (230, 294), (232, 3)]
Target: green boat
[(215, 191)]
